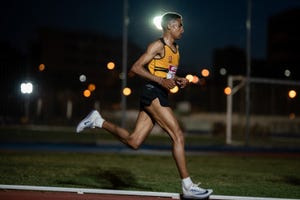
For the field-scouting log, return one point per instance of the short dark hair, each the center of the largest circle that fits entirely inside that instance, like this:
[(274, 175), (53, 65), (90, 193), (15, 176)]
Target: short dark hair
[(168, 17)]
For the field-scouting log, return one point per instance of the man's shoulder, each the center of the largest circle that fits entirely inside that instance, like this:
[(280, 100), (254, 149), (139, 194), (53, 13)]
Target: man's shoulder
[(157, 44), (159, 41)]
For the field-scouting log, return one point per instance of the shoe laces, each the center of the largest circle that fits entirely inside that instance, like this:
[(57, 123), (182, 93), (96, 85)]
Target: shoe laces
[(195, 187)]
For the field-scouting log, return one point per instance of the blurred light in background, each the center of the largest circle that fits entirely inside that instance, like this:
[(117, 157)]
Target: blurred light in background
[(91, 87), (292, 94), (126, 91), (189, 77), (157, 22), (82, 78), (174, 89), (195, 79), (110, 65), (42, 67), (287, 73), (86, 93), (26, 88), (292, 116), (223, 71), (205, 72), (227, 90)]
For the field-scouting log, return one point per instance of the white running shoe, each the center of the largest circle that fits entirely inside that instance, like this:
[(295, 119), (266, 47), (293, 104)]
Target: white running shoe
[(92, 120), (196, 192)]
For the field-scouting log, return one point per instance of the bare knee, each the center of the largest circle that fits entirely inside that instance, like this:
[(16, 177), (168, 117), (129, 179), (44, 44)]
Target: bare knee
[(133, 143), (179, 138)]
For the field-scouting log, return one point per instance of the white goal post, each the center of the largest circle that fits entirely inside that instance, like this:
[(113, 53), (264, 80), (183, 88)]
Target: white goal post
[(235, 88)]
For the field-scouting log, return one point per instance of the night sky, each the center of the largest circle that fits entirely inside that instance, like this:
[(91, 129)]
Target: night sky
[(208, 24)]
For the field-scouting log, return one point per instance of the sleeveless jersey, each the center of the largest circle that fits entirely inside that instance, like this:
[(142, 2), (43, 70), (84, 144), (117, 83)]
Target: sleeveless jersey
[(166, 66)]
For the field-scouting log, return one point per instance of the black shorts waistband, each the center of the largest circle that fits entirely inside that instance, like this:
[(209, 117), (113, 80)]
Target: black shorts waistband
[(157, 85)]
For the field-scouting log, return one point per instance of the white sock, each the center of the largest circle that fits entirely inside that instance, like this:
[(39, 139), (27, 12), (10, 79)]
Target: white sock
[(99, 122), (187, 182)]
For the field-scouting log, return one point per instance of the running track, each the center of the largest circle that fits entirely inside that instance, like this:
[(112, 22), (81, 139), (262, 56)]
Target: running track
[(38, 195), (17, 192)]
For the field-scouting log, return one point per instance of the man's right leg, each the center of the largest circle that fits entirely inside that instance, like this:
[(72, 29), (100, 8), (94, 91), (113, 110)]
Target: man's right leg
[(144, 125)]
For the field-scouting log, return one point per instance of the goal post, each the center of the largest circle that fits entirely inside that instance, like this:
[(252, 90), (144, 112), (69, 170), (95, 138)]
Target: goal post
[(234, 89), (231, 83)]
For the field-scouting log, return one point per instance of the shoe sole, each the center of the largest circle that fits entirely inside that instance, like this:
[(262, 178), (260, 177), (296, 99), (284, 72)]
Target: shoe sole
[(205, 196)]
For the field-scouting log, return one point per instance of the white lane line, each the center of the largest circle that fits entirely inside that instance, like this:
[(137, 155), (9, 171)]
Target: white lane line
[(126, 192)]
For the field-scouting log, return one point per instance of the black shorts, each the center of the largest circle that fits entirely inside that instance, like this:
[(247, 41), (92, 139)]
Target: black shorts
[(151, 91)]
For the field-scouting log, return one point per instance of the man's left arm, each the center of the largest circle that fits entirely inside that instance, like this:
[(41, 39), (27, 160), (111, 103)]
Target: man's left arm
[(181, 82)]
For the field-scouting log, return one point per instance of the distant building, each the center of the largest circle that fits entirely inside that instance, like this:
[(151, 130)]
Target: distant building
[(69, 54), (283, 46), (230, 60), (13, 71)]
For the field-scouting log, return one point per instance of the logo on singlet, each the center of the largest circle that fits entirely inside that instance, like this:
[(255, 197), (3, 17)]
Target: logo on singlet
[(170, 59), (171, 72)]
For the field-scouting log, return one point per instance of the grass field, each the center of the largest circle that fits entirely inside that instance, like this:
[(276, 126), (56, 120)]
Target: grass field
[(259, 175), (264, 176)]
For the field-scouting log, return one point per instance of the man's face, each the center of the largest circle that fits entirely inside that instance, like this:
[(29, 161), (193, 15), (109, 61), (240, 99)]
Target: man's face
[(176, 28)]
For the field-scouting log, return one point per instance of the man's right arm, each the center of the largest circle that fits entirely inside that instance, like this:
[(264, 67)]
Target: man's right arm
[(153, 50)]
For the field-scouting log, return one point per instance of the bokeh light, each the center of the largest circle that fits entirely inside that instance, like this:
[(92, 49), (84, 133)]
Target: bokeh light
[(292, 94), (82, 78), (110, 65), (189, 77), (227, 90), (86, 93), (174, 89), (205, 72), (91, 87), (287, 73), (42, 67), (292, 116), (126, 91), (195, 79), (223, 71)]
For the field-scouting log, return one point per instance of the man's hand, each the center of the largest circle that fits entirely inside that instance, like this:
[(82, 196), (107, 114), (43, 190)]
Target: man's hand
[(181, 82), (168, 83)]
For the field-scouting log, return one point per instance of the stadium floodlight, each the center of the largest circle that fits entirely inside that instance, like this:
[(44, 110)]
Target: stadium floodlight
[(157, 22), (26, 88)]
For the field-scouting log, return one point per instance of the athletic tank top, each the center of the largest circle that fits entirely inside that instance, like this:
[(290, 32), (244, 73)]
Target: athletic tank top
[(166, 66)]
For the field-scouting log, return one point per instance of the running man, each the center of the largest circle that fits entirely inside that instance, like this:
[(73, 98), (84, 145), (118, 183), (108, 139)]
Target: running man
[(162, 58)]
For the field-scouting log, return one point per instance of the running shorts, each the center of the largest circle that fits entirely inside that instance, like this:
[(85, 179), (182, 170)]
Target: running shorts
[(151, 91)]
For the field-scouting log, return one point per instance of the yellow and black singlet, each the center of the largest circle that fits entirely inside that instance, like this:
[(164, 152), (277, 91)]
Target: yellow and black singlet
[(166, 66)]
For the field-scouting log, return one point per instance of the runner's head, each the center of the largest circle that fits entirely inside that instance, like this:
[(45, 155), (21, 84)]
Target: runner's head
[(172, 24), (169, 18)]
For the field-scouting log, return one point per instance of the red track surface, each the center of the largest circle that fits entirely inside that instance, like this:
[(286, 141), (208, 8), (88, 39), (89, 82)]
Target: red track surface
[(40, 195)]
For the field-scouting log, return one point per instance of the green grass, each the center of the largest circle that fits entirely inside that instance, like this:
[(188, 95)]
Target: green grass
[(91, 136), (238, 175), (68, 135)]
